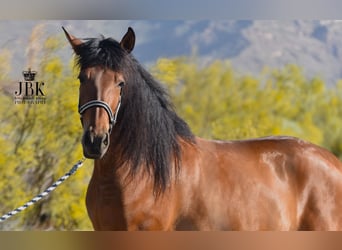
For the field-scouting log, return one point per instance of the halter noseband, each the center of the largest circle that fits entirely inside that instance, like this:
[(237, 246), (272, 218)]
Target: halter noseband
[(101, 104)]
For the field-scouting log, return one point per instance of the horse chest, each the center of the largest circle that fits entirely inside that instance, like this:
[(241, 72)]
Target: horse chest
[(109, 208), (105, 206)]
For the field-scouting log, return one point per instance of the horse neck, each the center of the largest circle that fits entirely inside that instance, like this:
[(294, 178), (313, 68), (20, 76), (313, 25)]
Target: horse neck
[(110, 162), (110, 173)]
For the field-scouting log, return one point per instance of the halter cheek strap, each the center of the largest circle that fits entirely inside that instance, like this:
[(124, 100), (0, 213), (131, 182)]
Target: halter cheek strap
[(105, 106)]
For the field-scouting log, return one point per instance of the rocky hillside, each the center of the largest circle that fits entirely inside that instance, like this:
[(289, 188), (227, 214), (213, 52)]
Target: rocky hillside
[(249, 44)]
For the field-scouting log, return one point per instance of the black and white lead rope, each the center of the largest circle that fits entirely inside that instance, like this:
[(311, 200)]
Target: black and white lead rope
[(45, 193)]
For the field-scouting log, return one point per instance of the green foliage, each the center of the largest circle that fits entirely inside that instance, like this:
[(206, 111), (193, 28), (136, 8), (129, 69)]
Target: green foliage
[(217, 103), (40, 142)]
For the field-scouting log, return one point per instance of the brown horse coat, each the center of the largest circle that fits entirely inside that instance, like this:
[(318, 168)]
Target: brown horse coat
[(273, 183)]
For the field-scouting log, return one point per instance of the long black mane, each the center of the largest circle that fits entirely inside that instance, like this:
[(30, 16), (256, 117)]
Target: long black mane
[(148, 130)]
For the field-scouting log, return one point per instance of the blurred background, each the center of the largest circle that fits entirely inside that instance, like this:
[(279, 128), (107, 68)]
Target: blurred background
[(228, 79)]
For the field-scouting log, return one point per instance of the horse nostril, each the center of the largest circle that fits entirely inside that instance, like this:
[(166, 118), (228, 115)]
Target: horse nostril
[(106, 139), (91, 137)]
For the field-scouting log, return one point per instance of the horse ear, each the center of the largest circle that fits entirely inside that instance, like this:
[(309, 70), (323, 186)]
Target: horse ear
[(72, 40), (128, 41)]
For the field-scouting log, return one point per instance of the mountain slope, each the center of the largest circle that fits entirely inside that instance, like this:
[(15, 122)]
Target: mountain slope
[(316, 46)]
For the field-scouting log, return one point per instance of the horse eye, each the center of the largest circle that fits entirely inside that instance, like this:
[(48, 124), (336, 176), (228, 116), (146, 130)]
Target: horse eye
[(121, 84), (82, 78)]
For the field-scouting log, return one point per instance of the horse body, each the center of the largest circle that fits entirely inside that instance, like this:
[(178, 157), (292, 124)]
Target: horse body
[(275, 183), (152, 173)]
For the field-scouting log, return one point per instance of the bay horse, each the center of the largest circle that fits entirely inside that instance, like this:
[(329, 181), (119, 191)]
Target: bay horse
[(152, 173)]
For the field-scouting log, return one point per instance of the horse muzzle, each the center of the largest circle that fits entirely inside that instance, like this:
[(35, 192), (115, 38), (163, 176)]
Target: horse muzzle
[(95, 146)]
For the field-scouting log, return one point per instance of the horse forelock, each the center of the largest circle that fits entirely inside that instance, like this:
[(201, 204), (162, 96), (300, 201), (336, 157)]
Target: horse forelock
[(100, 51)]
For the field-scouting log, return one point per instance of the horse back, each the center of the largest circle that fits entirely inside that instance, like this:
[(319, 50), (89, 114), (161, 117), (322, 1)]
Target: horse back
[(272, 183)]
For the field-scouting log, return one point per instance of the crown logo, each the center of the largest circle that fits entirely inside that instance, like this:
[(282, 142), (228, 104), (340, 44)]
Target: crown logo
[(29, 75)]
